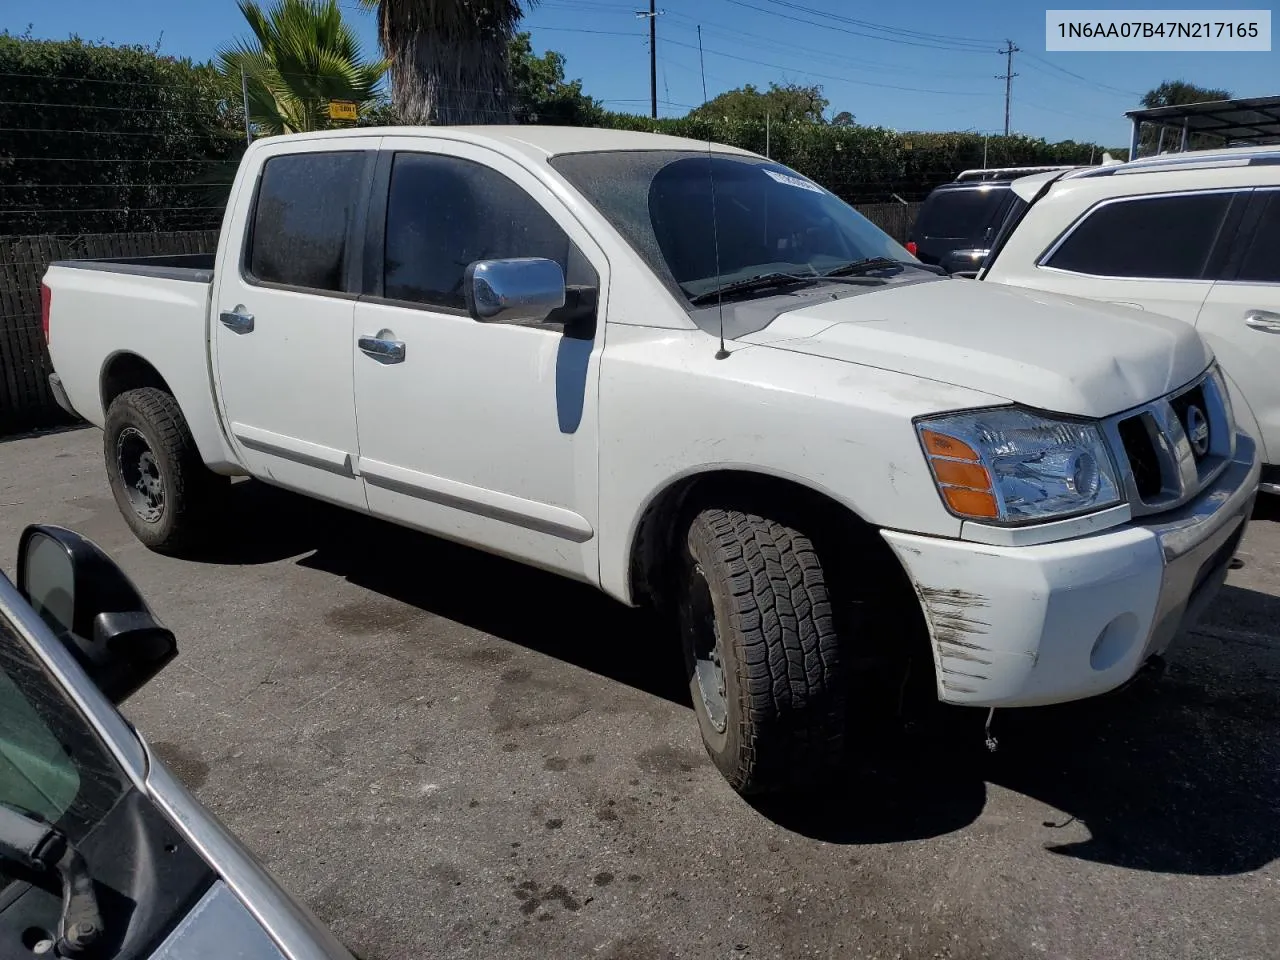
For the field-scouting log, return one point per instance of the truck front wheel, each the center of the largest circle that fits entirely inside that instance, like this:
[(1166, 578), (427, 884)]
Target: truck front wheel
[(162, 487), (762, 652)]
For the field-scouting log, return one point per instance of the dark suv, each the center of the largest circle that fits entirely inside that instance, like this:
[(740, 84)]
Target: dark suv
[(958, 220)]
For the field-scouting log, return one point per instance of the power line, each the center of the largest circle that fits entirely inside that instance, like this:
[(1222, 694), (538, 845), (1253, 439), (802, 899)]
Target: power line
[(883, 27), (965, 48), (1093, 83), (828, 76)]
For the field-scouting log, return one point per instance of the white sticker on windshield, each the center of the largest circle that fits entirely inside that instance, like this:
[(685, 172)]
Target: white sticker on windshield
[(793, 181)]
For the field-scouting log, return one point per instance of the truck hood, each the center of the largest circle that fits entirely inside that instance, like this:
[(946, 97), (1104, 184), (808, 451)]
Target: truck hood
[(1043, 350)]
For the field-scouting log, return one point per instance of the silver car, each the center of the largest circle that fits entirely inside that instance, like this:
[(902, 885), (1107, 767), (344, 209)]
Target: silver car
[(104, 855)]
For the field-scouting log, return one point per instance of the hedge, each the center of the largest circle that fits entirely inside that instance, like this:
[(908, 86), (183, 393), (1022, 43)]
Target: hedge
[(110, 139)]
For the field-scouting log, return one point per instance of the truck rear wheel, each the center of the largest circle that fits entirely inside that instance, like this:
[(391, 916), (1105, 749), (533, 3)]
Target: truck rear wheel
[(761, 647), (162, 487)]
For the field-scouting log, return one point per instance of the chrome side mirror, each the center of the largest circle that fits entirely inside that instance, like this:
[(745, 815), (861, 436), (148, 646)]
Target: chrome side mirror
[(93, 608), (528, 289)]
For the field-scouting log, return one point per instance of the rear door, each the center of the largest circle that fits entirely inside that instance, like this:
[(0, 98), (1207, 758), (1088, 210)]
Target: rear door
[(1241, 316), (283, 312)]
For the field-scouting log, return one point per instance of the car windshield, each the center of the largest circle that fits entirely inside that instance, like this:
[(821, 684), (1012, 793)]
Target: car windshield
[(51, 763), (768, 218)]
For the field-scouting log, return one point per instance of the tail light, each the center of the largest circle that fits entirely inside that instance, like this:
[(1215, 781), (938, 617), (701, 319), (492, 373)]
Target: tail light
[(911, 247), (46, 298)]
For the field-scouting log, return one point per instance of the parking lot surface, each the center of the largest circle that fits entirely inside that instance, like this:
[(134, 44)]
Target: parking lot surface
[(449, 755)]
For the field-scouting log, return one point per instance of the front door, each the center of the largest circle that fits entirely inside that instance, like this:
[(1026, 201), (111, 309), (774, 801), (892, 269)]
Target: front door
[(1240, 319), (283, 314), (481, 432)]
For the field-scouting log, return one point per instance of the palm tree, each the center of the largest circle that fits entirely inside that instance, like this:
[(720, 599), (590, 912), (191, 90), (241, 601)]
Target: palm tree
[(301, 56), (449, 60)]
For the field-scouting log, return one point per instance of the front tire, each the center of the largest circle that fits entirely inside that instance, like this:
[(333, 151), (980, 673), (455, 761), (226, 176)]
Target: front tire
[(764, 659), (161, 485)]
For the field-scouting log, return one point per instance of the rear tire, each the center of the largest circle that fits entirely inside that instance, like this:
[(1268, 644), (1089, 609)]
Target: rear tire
[(764, 660), (160, 483)]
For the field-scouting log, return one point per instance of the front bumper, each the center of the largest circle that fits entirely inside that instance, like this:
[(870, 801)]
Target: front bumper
[(1020, 626)]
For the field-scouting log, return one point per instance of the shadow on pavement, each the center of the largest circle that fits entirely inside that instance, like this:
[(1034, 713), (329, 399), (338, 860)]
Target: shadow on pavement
[(1179, 774)]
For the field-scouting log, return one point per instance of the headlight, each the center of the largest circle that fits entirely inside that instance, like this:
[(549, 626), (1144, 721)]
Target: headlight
[(1011, 466)]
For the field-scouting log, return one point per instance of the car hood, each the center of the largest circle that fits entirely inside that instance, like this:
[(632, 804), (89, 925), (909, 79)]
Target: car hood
[(1043, 350)]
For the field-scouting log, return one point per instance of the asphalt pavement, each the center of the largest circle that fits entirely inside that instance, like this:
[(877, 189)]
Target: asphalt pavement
[(450, 755)]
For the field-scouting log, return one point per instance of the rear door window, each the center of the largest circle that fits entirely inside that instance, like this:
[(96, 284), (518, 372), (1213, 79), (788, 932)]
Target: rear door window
[(303, 212), (1262, 260), (1157, 237)]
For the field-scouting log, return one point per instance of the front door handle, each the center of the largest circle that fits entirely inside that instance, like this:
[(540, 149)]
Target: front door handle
[(384, 347), (237, 320), (1263, 320)]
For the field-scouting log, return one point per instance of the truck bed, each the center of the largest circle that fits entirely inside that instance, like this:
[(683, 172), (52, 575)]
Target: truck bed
[(191, 267)]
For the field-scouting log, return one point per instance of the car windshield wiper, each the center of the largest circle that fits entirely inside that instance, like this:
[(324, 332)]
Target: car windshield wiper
[(763, 282), (28, 839), (880, 263)]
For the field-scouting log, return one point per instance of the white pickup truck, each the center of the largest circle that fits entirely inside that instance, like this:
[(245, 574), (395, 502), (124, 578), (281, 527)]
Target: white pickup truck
[(691, 377)]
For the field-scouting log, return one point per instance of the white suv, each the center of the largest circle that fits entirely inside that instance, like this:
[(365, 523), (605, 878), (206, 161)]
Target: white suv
[(1194, 236)]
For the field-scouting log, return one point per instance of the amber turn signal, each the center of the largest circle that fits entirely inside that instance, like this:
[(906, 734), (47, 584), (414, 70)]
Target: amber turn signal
[(963, 480)]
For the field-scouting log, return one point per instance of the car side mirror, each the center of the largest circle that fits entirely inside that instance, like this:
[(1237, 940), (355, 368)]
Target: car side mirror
[(93, 607), (524, 289)]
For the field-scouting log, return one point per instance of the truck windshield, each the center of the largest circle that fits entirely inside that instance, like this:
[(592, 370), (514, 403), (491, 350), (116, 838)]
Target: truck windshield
[(768, 218)]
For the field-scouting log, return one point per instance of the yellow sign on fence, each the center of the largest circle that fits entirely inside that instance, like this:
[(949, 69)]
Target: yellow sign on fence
[(342, 110)]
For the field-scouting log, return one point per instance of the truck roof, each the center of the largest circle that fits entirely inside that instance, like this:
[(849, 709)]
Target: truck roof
[(534, 140)]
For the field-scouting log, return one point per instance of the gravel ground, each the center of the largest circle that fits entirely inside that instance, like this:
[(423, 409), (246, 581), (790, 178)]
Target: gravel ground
[(446, 754)]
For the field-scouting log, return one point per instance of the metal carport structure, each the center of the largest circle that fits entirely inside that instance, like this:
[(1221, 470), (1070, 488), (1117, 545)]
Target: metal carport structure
[(1246, 122)]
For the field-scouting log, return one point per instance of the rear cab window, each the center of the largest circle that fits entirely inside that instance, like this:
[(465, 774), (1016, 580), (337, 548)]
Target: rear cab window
[(961, 214)]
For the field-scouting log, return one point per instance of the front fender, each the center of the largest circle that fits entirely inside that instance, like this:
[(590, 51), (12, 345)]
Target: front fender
[(670, 411)]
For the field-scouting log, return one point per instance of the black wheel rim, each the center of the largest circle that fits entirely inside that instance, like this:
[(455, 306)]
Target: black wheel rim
[(140, 475), (708, 664)]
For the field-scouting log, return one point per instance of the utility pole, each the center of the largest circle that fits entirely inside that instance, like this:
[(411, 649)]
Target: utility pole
[(1007, 77), (653, 16)]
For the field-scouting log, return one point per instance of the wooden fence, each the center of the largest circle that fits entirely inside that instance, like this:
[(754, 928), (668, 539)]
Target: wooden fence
[(26, 402)]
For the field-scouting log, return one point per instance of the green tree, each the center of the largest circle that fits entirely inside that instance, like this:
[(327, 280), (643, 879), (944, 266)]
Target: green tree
[(540, 93), (1179, 92), (844, 119), (778, 103), (449, 58), (301, 56)]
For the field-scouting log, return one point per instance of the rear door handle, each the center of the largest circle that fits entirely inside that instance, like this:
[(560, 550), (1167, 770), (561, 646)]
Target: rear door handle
[(237, 319), (1263, 320), (383, 348)]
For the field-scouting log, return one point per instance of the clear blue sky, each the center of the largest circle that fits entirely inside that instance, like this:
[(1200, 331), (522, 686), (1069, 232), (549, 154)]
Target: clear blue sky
[(884, 76)]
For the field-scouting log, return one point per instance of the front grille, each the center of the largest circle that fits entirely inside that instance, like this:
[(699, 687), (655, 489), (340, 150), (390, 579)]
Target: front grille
[(1174, 446), (1135, 434)]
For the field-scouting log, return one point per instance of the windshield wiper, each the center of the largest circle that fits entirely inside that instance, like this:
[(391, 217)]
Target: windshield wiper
[(29, 840), (869, 264), (750, 284)]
